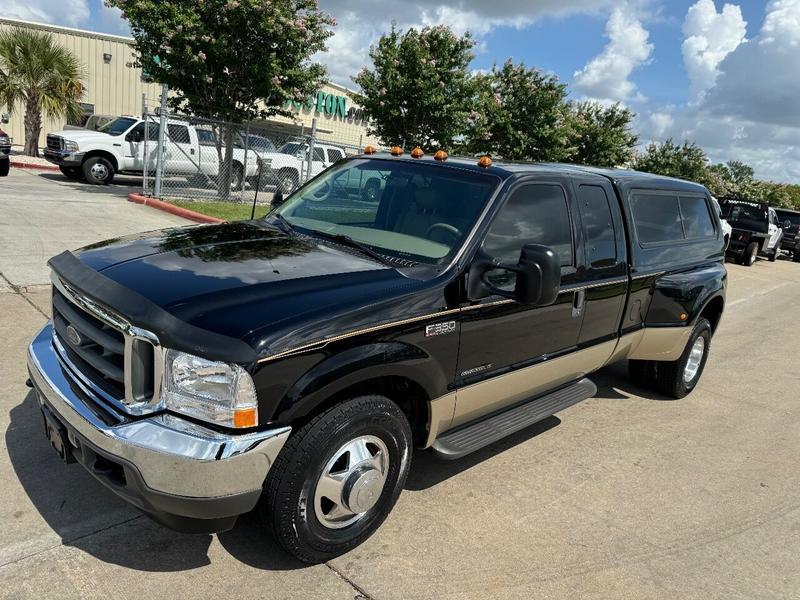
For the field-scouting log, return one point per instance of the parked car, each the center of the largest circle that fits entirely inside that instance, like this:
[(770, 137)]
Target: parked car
[(118, 147), (790, 222), (726, 227), (5, 153), (756, 231), (288, 166), (293, 363), (93, 123)]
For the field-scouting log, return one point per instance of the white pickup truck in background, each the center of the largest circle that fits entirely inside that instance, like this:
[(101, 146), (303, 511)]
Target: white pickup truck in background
[(118, 147), (287, 166)]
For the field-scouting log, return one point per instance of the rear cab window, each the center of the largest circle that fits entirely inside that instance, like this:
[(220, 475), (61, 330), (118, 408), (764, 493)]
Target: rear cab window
[(666, 217)]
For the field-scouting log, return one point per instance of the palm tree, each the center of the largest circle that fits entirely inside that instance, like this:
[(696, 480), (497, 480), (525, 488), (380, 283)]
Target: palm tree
[(40, 75)]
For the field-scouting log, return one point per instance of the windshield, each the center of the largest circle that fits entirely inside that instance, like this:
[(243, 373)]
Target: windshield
[(292, 148), (420, 212), (118, 126), (260, 143), (792, 217), (746, 216)]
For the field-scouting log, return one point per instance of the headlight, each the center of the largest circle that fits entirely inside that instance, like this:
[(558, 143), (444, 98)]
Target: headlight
[(71, 146), (212, 391), (4, 139)]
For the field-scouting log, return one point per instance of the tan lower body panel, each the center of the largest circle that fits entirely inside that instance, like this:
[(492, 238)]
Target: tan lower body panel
[(483, 398)]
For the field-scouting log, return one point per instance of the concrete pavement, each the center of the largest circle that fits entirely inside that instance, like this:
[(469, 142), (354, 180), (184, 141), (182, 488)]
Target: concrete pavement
[(34, 226), (627, 495)]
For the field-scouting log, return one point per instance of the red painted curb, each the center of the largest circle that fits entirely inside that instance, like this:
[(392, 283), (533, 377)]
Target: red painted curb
[(171, 208), (27, 165)]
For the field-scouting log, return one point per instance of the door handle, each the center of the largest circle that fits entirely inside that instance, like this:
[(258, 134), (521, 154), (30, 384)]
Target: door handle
[(191, 150), (578, 302)]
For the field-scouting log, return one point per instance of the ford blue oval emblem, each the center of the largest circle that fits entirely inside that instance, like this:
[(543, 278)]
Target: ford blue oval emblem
[(73, 337)]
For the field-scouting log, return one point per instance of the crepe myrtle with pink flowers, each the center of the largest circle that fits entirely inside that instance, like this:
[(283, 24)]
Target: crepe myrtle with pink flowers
[(230, 59)]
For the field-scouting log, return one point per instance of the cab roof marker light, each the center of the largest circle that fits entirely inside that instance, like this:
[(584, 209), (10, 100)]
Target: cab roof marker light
[(417, 153), (397, 151), (370, 150), (485, 162), (440, 155)]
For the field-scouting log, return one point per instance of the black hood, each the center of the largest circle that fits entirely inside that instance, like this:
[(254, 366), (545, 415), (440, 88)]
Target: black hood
[(249, 280)]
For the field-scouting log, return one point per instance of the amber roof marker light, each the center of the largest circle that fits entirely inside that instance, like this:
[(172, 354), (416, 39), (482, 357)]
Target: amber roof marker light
[(485, 162), (396, 151), (440, 155), (370, 150), (417, 153)]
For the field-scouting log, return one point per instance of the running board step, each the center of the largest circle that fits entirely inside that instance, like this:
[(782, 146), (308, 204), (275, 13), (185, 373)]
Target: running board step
[(474, 436)]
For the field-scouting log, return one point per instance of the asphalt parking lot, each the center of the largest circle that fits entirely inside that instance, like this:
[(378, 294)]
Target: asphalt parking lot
[(627, 495)]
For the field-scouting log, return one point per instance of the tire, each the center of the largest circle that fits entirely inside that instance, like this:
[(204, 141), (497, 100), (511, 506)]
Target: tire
[(773, 256), (796, 256), (98, 170), (5, 167), (71, 172), (642, 373), (290, 505), (288, 181), (678, 378), (750, 254), (237, 177)]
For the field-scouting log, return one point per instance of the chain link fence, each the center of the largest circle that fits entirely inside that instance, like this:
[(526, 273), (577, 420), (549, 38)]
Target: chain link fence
[(197, 159)]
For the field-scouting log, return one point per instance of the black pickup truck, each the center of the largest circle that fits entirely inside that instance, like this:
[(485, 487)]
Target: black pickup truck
[(756, 231), (395, 302), (790, 222)]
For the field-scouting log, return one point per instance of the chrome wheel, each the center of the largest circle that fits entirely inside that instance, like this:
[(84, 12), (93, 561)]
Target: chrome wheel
[(351, 482), (694, 360), (99, 171)]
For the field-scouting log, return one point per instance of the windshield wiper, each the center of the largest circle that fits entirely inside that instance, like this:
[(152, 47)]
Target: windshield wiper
[(348, 241), (285, 226)]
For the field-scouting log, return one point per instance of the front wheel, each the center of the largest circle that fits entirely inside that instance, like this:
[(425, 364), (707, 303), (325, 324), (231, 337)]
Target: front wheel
[(98, 170), (773, 256), (5, 167), (678, 378), (796, 256), (337, 478), (288, 181)]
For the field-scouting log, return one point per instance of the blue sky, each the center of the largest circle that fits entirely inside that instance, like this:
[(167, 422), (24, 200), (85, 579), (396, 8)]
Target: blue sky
[(721, 74)]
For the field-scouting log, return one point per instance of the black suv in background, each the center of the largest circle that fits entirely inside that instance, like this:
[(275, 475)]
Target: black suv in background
[(790, 221), (5, 153)]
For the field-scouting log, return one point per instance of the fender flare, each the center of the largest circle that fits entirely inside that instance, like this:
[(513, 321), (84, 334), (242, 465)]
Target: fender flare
[(357, 365)]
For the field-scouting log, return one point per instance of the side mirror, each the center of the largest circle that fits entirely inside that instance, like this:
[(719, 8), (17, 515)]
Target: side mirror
[(135, 136), (538, 277), (4, 118), (277, 199)]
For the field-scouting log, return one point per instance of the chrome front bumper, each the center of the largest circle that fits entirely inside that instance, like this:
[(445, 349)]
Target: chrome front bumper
[(174, 457), (64, 158)]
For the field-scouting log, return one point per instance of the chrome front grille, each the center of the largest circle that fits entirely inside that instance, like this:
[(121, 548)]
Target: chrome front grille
[(120, 362), (55, 142)]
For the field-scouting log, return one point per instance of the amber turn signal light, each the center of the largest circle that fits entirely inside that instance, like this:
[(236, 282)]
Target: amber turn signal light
[(396, 151), (684, 316), (485, 162), (417, 153), (440, 155), (370, 150), (245, 417)]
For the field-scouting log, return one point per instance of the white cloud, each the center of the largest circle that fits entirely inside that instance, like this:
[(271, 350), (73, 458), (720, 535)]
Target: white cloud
[(606, 77), (661, 123), (72, 13), (361, 23), (709, 37)]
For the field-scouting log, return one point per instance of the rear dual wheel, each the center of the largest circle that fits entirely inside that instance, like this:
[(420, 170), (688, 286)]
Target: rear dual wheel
[(677, 378), (337, 478)]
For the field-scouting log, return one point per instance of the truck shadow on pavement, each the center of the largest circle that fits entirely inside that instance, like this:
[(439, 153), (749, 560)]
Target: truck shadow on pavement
[(87, 516), (121, 185)]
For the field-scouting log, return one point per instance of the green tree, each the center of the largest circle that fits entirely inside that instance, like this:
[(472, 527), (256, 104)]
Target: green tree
[(686, 161), (41, 76), (601, 135), (418, 91), (733, 179), (231, 60), (521, 114)]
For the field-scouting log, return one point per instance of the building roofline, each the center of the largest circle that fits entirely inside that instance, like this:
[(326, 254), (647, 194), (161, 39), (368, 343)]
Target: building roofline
[(61, 29)]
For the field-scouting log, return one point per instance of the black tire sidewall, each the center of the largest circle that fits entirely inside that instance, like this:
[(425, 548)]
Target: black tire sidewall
[(87, 173), (367, 415), (701, 328), (5, 167), (750, 257)]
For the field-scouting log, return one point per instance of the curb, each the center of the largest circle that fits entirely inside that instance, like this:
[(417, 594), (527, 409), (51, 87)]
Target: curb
[(27, 165), (171, 208)]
